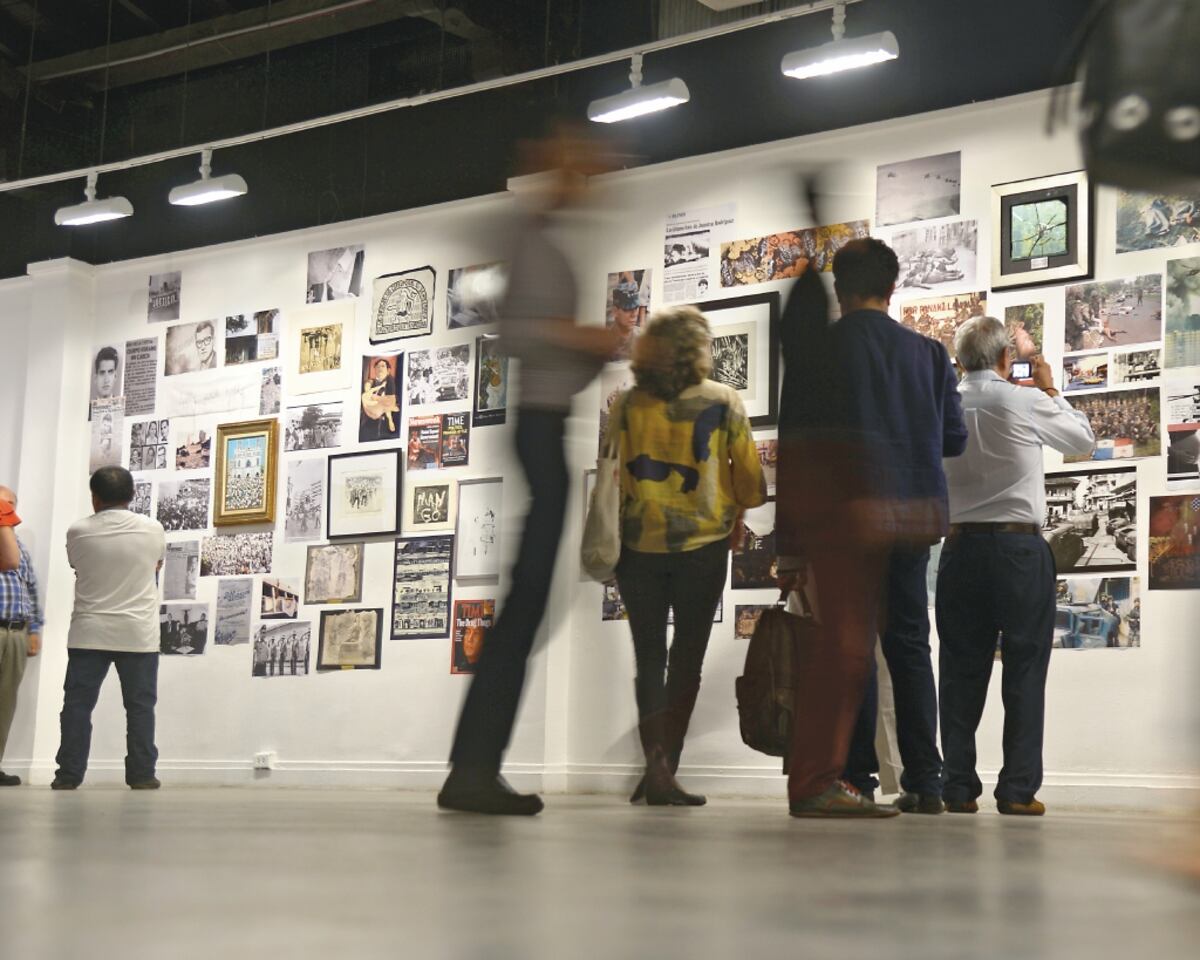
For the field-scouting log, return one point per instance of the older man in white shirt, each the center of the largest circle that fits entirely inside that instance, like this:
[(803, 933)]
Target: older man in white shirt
[(996, 576)]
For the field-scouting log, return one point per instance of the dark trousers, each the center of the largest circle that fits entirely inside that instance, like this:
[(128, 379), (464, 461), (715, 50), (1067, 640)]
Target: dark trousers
[(486, 723), (905, 643), (994, 587), (86, 670), (652, 585)]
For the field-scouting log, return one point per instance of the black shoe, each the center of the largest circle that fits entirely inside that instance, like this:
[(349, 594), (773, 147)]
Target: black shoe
[(920, 803), (639, 792), (151, 784), (487, 795), (673, 795), (63, 785), (9, 779)]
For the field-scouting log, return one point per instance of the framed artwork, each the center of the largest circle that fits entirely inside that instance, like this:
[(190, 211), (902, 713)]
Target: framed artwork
[(350, 639), (478, 531), (746, 351), (430, 507), (421, 588), (402, 305), (1042, 231), (334, 573), (247, 464), (362, 494)]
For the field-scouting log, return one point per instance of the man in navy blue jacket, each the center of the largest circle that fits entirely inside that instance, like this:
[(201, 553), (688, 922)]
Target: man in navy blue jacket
[(868, 410)]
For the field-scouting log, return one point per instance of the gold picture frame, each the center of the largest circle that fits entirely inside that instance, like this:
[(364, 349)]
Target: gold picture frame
[(246, 451)]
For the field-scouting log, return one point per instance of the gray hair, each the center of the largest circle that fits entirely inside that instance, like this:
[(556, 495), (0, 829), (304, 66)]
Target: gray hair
[(980, 343)]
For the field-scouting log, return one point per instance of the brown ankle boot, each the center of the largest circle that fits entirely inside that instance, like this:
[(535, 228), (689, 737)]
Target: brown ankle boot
[(661, 787)]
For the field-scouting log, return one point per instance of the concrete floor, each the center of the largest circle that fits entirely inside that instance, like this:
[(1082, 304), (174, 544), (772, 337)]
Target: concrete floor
[(270, 873)]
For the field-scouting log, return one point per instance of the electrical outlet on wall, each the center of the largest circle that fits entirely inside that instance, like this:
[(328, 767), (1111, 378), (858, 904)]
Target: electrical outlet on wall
[(265, 760)]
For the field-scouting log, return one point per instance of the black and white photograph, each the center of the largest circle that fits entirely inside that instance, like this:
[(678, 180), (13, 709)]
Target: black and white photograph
[(182, 628), (335, 274), (305, 508), (149, 443), (745, 333), (193, 449), (313, 426), (163, 296), (181, 570), (108, 428), (1135, 366), (926, 188), (937, 255), (236, 554), (251, 337), (474, 294), (234, 600), (270, 392), (1098, 613), (141, 376), (480, 507), (1091, 520), (491, 383), (430, 507), (282, 650), (350, 639), (439, 375), (334, 573), (731, 358), (280, 599), (421, 588), (141, 497), (1114, 313), (402, 305), (362, 493), (108, 369), (1183, 456), (183, 504), (191, 347), (1125, 423), (755, 563)]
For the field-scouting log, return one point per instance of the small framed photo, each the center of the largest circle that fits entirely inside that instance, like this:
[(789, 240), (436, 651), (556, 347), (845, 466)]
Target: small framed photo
[(430, 506), (1043, 231), (334, 573), (247, 463), (745, 350), (362, 494), (350, 639), (479, 509)]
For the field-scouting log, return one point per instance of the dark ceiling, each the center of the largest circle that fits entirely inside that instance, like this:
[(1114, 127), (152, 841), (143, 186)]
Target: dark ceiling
[(115, 79)]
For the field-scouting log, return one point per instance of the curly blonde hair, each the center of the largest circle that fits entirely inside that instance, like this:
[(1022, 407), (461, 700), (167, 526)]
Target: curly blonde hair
[(673, 353)]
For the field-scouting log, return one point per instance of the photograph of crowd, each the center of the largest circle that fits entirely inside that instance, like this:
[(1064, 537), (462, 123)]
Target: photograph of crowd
[(1114, 313), (314, 426), (1125, 423), (1181, 339), (282, 650), (234, 598), (249, 339), (1135, 366), (183, 504), (280, 599), (926, 188), (1146, 221), (270, 391), (626, 307), (334, 573), (149, 441), (245, 464), (936, 256), (190, 347), (379, 409), (236, 554), (180, 572), (194, 451), (334, 274), (472, 621), (321, 348), (1097, 614), (182, 628), (1088, 371), (1175, 542), (1091, 520), (474, 293), (439, 375), (783, 256), (305, 500), (350, 639), (491, 383), (940, 317), (1025, 324), (163, 297)]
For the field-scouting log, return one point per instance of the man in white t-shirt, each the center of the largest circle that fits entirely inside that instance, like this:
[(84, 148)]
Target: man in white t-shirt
[(116, 555)]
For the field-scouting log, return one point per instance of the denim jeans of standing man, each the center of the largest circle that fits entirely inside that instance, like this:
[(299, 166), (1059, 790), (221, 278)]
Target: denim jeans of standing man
[(86, 670)]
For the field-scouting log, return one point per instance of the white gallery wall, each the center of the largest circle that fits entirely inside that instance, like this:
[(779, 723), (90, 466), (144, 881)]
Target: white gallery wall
[(1121, 725)]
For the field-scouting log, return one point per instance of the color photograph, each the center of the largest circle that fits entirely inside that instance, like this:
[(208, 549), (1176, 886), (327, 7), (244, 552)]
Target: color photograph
[(1088, 371), (491, 383), (1098, 614), (1175, 542), (784, 256), (1025, 324), (1181, 338), (379, 407), (1149, 221), (627, 306), (1125, 424), (1114, 313), (940, 317)]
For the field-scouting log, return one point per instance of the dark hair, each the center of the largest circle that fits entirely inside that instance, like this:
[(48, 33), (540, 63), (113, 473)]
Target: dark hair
[(112, 486), (106, 353), (865, 268), (206, 323)]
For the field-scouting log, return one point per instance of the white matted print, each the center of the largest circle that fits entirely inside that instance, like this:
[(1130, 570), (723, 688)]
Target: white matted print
[(430, 506), (742, 351), (319, 344), (362, 491), (479, 510), (938, 255), (305, 500)]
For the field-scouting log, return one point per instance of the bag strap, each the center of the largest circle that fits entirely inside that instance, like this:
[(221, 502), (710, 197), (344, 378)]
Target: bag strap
[(612, 438)]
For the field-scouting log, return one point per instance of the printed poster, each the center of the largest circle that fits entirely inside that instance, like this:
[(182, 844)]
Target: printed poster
[(690, 241)]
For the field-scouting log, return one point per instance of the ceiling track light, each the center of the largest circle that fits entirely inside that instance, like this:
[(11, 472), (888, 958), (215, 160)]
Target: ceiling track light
[(841, 54), (639, 100), (208, 189), (93, 210)]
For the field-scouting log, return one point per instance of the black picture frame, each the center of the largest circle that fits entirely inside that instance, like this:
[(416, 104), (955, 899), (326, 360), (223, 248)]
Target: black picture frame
[(771, 301), (1073, 189), (390, 521), (329, 615)]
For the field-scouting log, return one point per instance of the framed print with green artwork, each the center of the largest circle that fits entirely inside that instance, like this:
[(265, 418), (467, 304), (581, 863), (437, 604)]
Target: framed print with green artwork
[(1042, 231)]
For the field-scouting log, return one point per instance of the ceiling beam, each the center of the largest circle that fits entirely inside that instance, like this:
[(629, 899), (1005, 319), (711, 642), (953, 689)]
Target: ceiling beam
[(130, 7)]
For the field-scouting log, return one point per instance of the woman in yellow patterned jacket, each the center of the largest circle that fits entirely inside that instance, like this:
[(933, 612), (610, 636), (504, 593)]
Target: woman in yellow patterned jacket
[(689, 469)]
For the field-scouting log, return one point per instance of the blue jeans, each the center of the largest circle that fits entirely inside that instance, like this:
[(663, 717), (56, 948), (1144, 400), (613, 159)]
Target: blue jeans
[(86, 670), (995, 588)]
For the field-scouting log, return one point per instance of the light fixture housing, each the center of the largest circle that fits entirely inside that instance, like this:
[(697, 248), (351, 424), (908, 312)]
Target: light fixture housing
[(639, 100), (93, 210), (208, 189), (841, 55)]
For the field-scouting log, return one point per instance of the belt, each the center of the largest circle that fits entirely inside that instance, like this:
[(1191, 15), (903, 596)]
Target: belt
[(1032, 528), (13, 624)]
